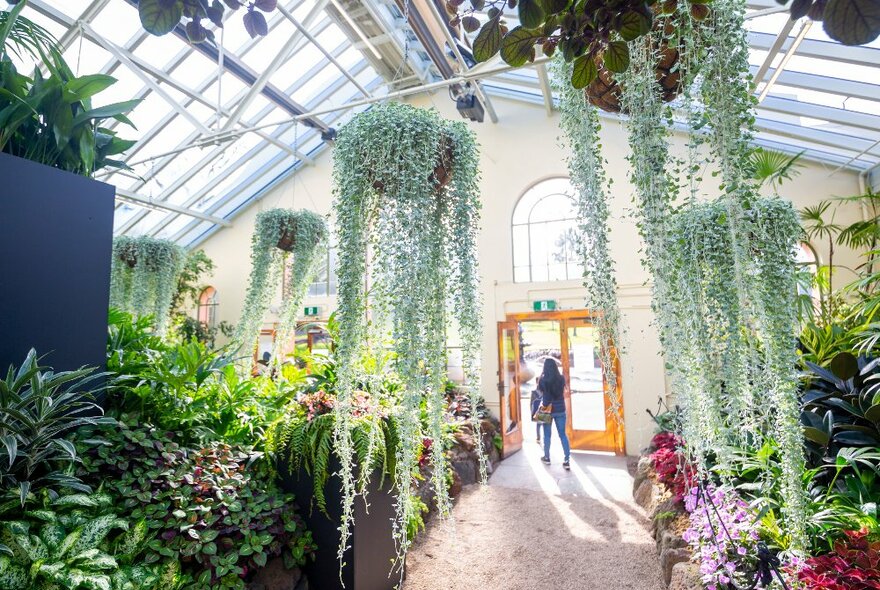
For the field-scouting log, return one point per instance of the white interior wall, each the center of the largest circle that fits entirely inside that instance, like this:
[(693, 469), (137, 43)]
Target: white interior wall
[(518, 151)]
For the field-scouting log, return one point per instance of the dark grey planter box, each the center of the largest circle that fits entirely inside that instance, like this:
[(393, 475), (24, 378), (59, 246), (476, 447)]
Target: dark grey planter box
[(370, 557), (56, 239)]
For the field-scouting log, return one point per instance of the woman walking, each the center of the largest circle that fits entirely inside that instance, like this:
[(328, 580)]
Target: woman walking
[(552, 385)]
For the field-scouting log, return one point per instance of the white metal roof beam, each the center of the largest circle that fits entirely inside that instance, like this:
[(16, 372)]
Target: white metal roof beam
[(149, 203), (280, 58), (304, 31), (834, 115), (233, 167), (824, 50), (836, 140), (774, 50), (830, 85), (87, 16), (263, 169), (546, 92), (217, 152)]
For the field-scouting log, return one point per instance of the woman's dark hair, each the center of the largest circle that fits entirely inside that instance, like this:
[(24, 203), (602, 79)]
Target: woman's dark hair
[(551, 372)]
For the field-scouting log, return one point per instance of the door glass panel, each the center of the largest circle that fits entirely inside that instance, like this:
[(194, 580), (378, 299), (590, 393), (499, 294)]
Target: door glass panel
[(585, 373), (539, 340), (508, 378)]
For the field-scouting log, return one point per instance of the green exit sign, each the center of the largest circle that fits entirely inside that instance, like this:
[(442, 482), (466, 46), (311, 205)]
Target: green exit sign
[(545, 305), (312, 311)]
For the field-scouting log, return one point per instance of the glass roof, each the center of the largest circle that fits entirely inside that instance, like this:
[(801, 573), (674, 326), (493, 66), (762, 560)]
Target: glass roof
[(214, 136)]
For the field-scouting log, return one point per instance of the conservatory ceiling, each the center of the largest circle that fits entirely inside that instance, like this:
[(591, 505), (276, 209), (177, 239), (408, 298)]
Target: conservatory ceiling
[(194, 167)]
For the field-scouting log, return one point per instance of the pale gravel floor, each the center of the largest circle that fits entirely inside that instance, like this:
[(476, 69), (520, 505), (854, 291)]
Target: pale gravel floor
[(541, 528)]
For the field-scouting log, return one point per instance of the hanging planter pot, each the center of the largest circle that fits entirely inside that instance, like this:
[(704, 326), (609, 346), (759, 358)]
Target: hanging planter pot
[(405, 183), (605, 90), (144, 276), (281, 237)]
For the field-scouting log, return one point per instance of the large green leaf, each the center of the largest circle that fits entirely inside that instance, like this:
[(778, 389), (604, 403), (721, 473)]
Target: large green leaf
[(633, 25), (488, 40), (110, 110), (159, 17), (518, 45), (554, 6), (616, 56), (817, 436), (584, 71), (531, 15), (852, 22), (85, 87)]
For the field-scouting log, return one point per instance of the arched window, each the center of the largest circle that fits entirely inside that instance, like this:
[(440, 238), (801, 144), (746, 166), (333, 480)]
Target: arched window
[(544, 234), (208, 307)]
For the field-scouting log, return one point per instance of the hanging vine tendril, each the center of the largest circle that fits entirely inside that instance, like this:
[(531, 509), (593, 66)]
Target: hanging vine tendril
[(406, 195), (580, 123)]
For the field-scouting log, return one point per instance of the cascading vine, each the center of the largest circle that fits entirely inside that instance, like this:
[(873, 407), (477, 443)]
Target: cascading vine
[(580, 123), (281, 237), (729, 105), (144, 273), (406, 197)]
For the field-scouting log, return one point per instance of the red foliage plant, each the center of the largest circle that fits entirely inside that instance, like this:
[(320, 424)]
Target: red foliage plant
[(854, 564), (670, 465)]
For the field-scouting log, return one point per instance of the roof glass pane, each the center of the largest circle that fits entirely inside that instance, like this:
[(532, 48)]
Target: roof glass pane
[(115, 23)]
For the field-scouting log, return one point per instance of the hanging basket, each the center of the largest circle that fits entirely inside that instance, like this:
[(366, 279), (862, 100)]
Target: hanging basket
[(287, 241), (604, 92), (442, 173)]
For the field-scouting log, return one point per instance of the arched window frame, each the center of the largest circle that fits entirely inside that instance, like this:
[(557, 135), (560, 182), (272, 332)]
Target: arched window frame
[(573, 268), (208, 302)]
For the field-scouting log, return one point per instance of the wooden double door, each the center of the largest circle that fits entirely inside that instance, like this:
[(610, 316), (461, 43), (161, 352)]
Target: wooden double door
[(525, 341)]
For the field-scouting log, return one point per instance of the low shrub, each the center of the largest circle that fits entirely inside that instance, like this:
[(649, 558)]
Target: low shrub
[(216, 509), (854, 564), (670, 465), (79, 542)]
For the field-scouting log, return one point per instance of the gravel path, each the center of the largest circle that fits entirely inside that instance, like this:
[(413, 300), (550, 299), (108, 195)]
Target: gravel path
[(540, 528)]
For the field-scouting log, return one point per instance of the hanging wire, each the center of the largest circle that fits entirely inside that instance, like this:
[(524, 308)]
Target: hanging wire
[(406, 46), (221, 57)]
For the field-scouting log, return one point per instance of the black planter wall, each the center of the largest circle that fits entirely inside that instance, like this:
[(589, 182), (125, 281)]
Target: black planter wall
[(369, 559), (56, 238)]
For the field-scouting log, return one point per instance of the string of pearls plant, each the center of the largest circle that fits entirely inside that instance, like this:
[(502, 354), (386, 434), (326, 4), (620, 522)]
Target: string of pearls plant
[(281, 237), (406, 199), (143, 277), (580, 123)]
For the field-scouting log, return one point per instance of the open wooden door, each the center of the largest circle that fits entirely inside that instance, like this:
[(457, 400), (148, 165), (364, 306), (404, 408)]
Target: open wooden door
[(590, 422), (508, 387)]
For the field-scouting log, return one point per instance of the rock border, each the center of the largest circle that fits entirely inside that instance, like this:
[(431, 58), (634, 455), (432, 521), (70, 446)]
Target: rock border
[(668, 521)]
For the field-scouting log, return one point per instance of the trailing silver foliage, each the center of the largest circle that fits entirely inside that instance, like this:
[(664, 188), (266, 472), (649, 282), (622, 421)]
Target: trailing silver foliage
[(143, 278), (302, 233), (406, 198), (580, 123)]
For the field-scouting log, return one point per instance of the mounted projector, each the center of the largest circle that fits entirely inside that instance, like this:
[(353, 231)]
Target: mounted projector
[(469, 107)]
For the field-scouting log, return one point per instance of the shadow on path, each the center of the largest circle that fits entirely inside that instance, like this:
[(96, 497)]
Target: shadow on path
[(541, 528)]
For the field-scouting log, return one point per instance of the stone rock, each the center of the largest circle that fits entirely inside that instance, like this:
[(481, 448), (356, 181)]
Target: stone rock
[(669, 558), (468, 471), (643, 494), (643, 470), (276, 577), (662, 515), (670, 540), (464, 441), (685, 576)]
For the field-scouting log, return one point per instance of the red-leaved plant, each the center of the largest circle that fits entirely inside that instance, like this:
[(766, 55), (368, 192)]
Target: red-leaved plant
[(670, 465), (854, 564)]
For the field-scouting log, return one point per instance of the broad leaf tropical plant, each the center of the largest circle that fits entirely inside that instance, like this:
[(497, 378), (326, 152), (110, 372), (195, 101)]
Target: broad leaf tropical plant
[(80, 542), (160, 17), (39, 411), (51, 119), (592, 35)]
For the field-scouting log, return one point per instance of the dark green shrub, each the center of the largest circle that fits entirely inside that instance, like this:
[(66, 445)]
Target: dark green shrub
[(216, 510)]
